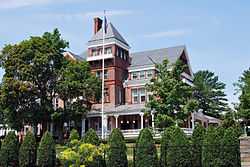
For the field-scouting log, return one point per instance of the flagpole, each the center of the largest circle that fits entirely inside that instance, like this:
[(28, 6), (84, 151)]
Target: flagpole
[(103, 49)]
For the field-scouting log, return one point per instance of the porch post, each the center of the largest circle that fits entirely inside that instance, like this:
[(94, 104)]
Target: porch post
[(192, 120), (116, 121), (105, 123), (153, 120), (142, 114), (83, 126), (51, 128)]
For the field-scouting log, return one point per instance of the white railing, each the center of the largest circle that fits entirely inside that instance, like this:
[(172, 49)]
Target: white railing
[(134, 133), (100, 57)]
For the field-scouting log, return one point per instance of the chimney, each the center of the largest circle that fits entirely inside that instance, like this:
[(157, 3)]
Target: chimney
[(97, 24)]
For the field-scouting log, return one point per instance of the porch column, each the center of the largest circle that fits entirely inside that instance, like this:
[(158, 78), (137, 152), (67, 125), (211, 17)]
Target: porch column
[(116, 121), (192, 115), (142, 114), (105, 122), (51, 128), (83, 127), (153, 120)]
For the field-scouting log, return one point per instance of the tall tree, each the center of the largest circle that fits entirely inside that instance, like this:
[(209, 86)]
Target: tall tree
[(31, 73), (209, 92), (244, 90), (170, 94), (78, 88)]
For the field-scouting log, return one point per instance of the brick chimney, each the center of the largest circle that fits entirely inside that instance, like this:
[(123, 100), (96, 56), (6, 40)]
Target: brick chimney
[(97, 24)]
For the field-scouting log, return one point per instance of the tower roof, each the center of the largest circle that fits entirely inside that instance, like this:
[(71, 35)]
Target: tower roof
[(111, 36)]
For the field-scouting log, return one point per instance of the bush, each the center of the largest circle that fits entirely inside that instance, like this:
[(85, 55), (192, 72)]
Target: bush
[(74, 135), (177, 148), (146, 154), (231, 148), (9, 151), (197, 142), (91, 137), (27, 151), (165, 142), (46, 153), (212, 147), (117, 153)]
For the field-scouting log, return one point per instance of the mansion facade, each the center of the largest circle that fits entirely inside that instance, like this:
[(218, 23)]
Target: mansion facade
[(126, 75)]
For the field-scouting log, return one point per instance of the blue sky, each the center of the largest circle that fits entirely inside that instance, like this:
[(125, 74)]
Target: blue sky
[(216, 33)]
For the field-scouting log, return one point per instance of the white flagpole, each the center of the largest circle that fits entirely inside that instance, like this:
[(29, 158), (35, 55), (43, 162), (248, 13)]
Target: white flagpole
[(103, 49)]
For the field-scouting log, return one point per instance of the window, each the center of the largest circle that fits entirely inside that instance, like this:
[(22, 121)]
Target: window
[(142, 95), (95, 52), (108, 50), (56, 103), (134, 75), (138, 95), (149, 74), (99, 74), (135, 96), (106, 95), (142, 74), (105, 74)]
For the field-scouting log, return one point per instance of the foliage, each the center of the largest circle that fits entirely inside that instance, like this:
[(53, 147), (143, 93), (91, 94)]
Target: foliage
[(170, 93), (78, 83), (29, 82), (243, 86), (197, 142), (82, 154), (146, 154), (9, 151), (27, 151), (163, 121), (175, 148), (91, 137), (74, 135), (46, 153), (117, 153), (210, 93)]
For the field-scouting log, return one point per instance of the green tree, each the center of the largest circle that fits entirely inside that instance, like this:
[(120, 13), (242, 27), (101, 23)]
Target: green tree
[(9, 151), (117, 153), (210, 93), (146, 153), (176, 148), (170, 93), (46, 152), (31, 73), (91, 137), (78, 88), (243, 87), (27, 151), (197, 143), (74, 135)]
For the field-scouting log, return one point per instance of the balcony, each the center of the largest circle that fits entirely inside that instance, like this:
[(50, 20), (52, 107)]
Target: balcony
[(100, 57)]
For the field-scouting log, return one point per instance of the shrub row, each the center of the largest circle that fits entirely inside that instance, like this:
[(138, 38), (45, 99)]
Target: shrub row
[(11, 155)]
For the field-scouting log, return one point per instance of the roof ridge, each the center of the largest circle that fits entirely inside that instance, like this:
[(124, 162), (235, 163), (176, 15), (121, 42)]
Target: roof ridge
[(153, 50)]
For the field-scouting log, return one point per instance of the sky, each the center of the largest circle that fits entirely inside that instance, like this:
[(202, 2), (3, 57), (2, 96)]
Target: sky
[(216, 33)]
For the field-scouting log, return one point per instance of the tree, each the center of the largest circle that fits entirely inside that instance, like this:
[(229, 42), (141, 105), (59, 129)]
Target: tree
[(27, 151), (243, 86), (197, 143), (117, 153), (91, 137), (46, 152), (74, 135), (9, 151), (210, 93), (170, 93), (175, 148), (146, 153), (31, 73), (78, 88)]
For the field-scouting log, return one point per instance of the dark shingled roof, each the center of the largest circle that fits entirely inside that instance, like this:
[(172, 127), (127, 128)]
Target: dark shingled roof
[(152, 57), (110, 36)]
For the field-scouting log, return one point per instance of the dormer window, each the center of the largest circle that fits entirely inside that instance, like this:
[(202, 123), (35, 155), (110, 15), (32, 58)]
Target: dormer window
[(149, 74), (108, 50), (135, 75), (142, 75)]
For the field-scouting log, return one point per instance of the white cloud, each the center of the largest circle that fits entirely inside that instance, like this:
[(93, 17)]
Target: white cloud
[(86, 15), (170, 33), (8, 4)]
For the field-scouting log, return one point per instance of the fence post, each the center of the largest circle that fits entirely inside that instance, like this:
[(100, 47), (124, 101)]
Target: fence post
[(134, 156)]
